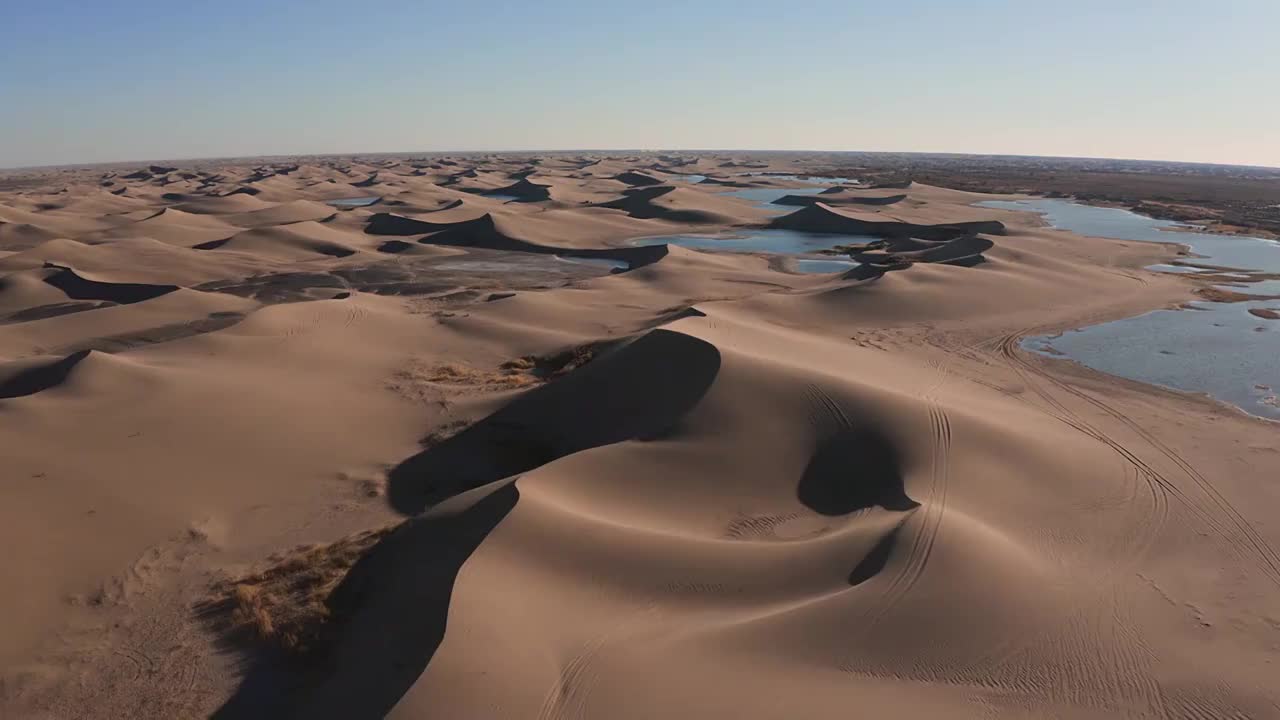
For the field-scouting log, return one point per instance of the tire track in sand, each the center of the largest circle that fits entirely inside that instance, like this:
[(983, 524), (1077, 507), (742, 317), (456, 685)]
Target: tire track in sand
[(1214, 510), (935, 505), (931, 511), (567, 698)]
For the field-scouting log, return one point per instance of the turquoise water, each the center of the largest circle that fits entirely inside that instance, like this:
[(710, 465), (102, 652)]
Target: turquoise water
[(1215, 348)]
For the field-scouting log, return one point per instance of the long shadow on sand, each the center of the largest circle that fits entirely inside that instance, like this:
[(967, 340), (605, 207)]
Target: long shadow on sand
[(398, 596), (396, 599), (853, 470), (634, 392)]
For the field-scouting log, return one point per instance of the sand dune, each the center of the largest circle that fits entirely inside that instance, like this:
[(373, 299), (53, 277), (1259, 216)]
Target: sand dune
[(492, 233), (131, 260), (842, 198), (524, 190), (25, 296), (98, 204), (266, 457), (290, 212), (822, 218), (77, 286), (236, 202), (21, 236), (291, 241), (666, 202), (637, 179), (28, 377), (767, 566), (964, 250)]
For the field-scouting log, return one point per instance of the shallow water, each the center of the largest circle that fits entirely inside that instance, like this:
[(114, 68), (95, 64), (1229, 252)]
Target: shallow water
[(1182, 269), (1223, 250), (774, 241), (764, 197), (1215, 348), (353, 202), (1265, 287), (815, 179), (825, 266), (1218, 348), (777, 241)]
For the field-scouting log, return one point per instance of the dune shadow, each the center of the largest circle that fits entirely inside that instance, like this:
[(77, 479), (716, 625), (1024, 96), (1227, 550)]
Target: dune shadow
[(854, 469), (41, 312), (35, 378), (636, 391), (397, 600), (78, 287), (877, 559)]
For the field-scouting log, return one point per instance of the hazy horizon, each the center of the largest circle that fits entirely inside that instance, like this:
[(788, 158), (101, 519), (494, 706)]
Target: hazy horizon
[(85, 84), (571, 150)]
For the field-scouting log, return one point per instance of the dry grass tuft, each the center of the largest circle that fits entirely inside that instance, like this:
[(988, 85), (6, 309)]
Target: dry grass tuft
[(519, 372), (287, 604), (458, 374), (550, 367)]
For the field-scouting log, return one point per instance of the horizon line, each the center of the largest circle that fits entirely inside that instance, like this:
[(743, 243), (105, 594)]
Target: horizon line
[(653, 150)]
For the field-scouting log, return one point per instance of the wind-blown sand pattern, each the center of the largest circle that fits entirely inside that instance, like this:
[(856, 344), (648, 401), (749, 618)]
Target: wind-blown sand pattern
[(689, 485)]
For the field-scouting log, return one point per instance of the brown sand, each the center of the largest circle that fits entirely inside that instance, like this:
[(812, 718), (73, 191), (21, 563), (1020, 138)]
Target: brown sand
[(703, 488)]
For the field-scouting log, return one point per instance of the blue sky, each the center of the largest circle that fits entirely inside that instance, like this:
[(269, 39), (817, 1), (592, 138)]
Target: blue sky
[(109, 80)]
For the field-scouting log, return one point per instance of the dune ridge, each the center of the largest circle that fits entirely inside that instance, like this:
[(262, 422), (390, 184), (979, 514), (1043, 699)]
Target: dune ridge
[(823, 218)]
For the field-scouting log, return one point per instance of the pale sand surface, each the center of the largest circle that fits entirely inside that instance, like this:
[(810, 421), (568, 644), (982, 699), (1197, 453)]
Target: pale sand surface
[(768, 495)]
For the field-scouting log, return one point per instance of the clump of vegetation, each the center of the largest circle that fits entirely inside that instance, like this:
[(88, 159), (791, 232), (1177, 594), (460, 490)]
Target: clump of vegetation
[(550, 367), (287, 604), (459, 374), (519, 372)]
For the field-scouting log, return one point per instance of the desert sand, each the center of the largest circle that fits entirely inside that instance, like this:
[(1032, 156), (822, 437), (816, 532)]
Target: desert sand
[(703, 486)]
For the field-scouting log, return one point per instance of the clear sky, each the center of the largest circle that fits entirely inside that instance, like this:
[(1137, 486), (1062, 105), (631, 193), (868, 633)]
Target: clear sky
[(108, 80)]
